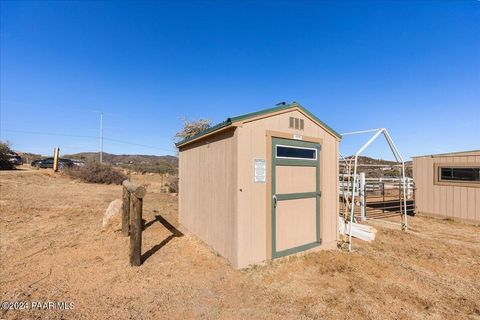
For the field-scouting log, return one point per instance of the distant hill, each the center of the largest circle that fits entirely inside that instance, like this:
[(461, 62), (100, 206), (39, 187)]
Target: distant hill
[(115, 159), (368, 160), (136, 162), (28, 157), (123, 158), (376, 168)]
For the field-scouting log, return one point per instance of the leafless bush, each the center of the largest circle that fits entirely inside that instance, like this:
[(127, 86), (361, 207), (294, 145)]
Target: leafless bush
[(95, 172), (191, 128)]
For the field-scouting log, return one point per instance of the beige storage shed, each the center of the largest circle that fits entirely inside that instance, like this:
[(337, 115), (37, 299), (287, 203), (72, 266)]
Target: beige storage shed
[(448, 185), (261, 185)]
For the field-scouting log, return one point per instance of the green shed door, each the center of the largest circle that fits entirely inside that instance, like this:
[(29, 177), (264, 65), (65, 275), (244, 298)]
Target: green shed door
[(295, 196)]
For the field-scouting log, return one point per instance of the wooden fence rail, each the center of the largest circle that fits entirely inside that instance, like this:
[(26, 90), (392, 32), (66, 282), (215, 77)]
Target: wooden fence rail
[(132, 207)]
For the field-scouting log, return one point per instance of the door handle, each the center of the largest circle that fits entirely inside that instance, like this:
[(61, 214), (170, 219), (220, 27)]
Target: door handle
[(274, 201)]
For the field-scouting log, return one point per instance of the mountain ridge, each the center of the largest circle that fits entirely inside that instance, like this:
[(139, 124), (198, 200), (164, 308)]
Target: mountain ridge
[(123, 158)]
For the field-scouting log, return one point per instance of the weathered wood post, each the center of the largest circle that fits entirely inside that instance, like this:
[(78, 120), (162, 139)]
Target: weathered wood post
[(136, 231), (56, 152), (125, 211), (137, 192)]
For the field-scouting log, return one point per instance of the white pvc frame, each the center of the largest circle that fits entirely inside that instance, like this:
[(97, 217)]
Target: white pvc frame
[(399, 159)]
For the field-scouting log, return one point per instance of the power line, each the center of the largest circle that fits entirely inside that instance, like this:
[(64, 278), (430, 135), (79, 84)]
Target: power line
[(50, 134), (86, 137)]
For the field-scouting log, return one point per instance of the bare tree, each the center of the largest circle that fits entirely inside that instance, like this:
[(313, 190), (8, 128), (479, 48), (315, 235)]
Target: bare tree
[(191, 128)]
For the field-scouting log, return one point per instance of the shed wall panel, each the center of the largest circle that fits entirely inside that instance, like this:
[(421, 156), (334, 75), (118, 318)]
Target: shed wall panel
[(207, 198), (455, 201)]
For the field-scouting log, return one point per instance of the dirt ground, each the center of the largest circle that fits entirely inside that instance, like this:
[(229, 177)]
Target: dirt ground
[(53, 249)]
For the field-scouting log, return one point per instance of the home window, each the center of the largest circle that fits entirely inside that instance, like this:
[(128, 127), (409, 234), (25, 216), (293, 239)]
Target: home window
[(289, 152), (459, 174)]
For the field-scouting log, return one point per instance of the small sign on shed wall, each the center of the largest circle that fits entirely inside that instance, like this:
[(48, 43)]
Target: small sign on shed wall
[(260, 170)]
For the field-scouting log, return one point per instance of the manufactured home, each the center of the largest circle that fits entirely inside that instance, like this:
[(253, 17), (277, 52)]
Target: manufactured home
[(448, 185), (261, 185)]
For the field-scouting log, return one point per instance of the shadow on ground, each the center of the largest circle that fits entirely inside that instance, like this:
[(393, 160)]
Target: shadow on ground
[(175, 234)]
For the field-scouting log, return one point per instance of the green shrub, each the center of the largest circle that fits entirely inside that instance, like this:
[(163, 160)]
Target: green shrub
[(95, 172)]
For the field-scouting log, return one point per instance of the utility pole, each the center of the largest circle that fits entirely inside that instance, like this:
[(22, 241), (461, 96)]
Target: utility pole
[(101, 137)]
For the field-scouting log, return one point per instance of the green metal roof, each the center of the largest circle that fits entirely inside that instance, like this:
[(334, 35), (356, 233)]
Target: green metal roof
[(446, 154), (231, 120)]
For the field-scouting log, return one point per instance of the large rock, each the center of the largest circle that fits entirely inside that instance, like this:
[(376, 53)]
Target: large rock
[(112, 219)]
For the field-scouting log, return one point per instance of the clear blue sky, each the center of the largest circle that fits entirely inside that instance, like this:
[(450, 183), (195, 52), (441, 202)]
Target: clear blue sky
[(412, 67)]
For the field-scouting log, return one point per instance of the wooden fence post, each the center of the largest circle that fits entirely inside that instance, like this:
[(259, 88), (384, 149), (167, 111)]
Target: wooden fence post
[(136, 231), (56, 152), (135, 195), (125, 212)]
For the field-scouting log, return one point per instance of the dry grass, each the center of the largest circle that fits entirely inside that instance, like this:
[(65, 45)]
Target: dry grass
[(52, 249)]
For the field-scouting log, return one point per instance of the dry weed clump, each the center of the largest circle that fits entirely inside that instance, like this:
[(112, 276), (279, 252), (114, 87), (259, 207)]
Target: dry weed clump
[(5, 150), (191, 128), (95, 172), (172, 183)]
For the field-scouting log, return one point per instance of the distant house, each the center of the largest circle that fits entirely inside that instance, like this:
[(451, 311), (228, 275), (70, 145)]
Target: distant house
[(448, 184), (261, 185)]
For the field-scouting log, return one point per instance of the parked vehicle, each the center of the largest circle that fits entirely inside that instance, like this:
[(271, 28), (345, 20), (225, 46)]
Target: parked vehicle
[(15, 159), (79, 163), (48, 163)]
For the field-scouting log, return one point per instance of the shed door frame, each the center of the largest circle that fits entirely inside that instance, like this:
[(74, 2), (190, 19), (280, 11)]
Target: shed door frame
[(279, 161)]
